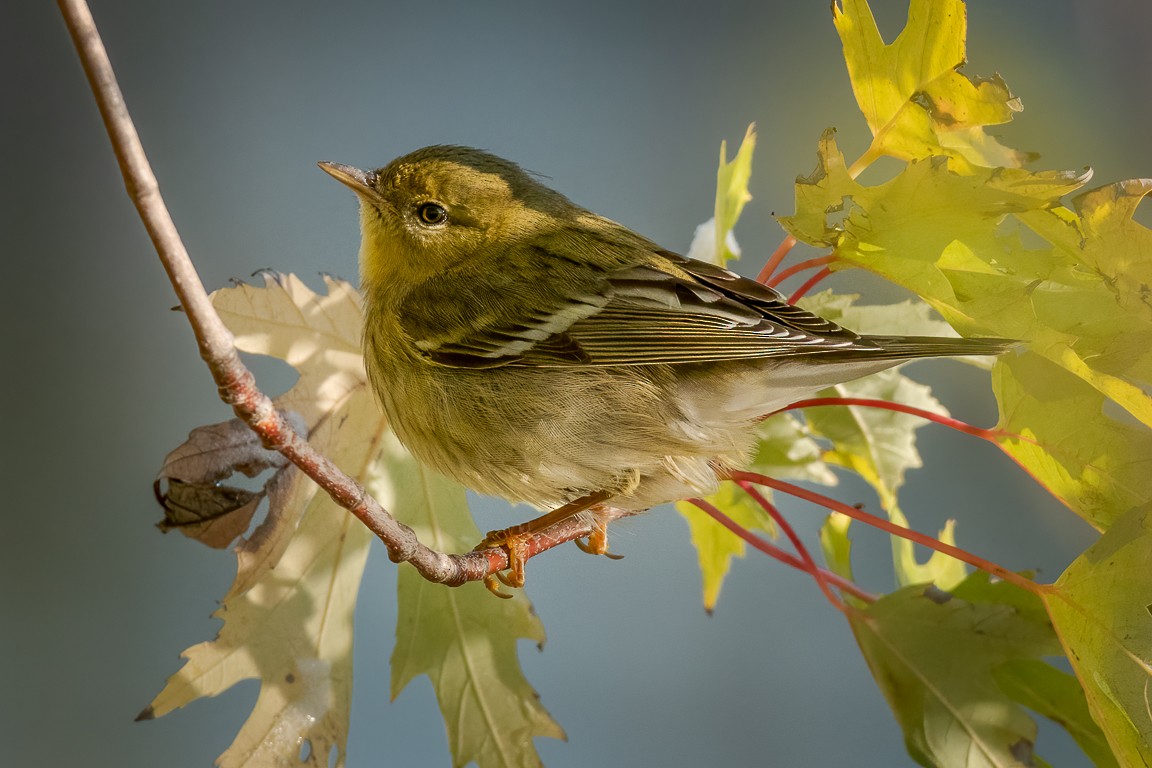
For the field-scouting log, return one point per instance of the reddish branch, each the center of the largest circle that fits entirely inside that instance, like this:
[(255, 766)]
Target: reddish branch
[(217, 345), (887, 526), (809, 284), (799, 267), (778, 554), (777, 257), (809, 564)]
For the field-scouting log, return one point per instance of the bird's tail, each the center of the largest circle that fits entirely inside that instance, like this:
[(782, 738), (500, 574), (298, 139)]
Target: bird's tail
[(911, 347)]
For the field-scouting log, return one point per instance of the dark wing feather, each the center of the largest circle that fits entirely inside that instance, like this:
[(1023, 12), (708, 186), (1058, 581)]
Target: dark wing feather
[(705, 314), (672, 310)]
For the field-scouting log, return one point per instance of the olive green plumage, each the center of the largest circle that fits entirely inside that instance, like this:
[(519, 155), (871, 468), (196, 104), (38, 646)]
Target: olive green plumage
[(536, 351)]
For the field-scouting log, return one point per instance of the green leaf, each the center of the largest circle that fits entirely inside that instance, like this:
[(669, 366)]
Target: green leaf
[(464, 639), (1095, 464), (880, 445), (1106, 324), (915, 101), (947, 237), (715, 544), (933, 656), (732, 192), (785, 449), (837, 549), (1100, 607), (951, 239), (1057, 696), (900, 228)]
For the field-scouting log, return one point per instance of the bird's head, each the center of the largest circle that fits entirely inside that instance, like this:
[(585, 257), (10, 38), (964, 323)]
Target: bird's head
[(440, 206)]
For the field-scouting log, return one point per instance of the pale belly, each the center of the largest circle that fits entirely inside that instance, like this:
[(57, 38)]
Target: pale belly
[(547, 436)]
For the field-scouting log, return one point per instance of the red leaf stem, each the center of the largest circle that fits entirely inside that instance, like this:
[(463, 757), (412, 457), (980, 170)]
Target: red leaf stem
[(809, 564), (889, 527), (776, 553), (819, 261), (991, 435), (887, 405), (809, 284), (774, 261)]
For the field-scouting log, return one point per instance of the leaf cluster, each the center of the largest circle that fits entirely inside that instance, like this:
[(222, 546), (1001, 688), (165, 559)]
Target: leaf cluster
[(984, 244)]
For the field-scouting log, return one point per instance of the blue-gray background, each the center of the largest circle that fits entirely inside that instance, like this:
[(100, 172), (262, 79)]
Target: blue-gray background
[(623, 106)]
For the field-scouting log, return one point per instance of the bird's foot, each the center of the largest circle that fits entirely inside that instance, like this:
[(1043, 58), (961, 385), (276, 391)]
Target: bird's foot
[(597, 541), (515, 542)]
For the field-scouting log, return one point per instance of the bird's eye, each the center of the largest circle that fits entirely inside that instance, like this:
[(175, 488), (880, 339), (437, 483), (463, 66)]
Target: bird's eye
[(432, 214)]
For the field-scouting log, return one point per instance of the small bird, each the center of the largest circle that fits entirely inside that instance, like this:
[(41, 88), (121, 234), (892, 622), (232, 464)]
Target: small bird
[(533, 350)]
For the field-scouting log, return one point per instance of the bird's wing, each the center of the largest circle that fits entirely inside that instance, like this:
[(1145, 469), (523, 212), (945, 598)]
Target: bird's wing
[(695, 312), (668, 310)]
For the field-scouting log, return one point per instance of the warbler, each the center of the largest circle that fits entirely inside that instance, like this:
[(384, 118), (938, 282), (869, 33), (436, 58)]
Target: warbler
[(536, 351)]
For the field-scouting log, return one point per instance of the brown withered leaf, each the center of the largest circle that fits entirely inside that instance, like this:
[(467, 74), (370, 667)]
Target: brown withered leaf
[(189, 486)]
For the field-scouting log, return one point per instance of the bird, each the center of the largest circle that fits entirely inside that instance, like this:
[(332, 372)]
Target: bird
[(531, 349)]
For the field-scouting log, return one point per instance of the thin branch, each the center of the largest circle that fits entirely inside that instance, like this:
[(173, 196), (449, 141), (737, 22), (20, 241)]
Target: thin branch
[(776, 553), (809, 564), (887, 526), (993, 435), (773, 262), (819, 261), (217, 345), (809, 284)]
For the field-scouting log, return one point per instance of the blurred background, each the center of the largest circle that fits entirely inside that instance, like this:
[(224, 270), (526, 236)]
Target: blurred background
[(623, 106)]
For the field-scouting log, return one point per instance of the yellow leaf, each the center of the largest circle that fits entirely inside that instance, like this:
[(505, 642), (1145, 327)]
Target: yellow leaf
[(915, 101), (1097, 465), (732, 192), (715, 544), (288, 616)]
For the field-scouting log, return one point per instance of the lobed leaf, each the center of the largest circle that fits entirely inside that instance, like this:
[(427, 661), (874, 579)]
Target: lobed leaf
[(1100, 607), (915, 101), (933, 655), (288, 616), (715, 544), (463, 639), (946, 236)]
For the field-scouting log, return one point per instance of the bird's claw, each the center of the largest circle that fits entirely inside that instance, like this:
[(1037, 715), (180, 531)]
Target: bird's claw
[(597, 541), (516, 545)]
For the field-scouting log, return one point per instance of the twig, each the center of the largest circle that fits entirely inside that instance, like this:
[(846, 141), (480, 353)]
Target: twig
[(809, 564), (819, 261), (809, 284), (778, 554), (887, 526), (217, 346), (774, 260)]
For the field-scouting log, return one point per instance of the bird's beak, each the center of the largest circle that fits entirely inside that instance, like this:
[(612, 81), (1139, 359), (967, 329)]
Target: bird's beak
[(360, 181)]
